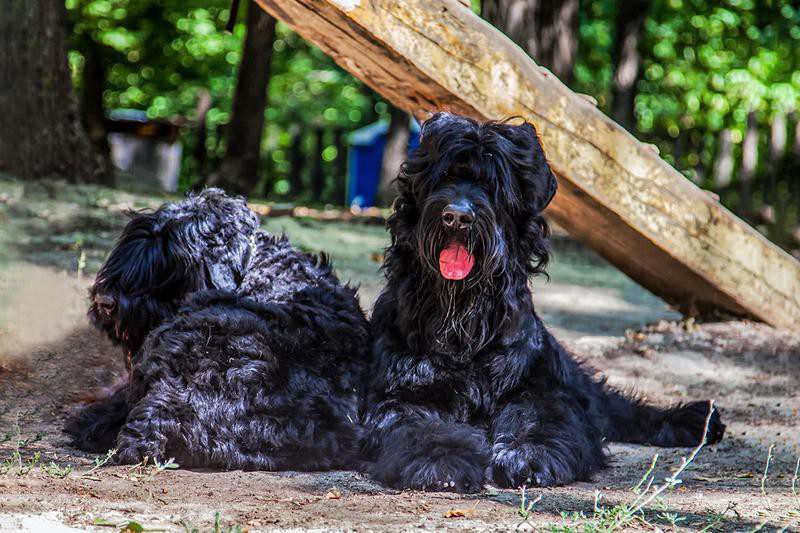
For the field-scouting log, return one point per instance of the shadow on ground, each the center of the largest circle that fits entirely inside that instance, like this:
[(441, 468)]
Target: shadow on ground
[(50, 360)]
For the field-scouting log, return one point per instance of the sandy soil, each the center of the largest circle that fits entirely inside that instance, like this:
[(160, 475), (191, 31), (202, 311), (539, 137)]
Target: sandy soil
[(50, 360)]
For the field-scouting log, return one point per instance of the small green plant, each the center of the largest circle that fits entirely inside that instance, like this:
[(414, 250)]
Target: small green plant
[(147, 471), (716, 520), (607, 519), (124, 527), (786, 520), (764, 476), (54, 471), (81, 263), (526, 505), (157, 467), (30, 464), (100, 462), (17, 461), (219, 528)]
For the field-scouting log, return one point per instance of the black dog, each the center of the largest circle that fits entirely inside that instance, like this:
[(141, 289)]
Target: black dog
[(467, 383), (247, 353), (201, 243)]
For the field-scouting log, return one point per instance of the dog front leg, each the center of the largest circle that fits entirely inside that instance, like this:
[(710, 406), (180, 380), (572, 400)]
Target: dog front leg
[(543, 441), (150, 426), (416, 447)]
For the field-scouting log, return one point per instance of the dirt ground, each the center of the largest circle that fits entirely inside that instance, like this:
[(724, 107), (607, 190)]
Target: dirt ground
[(53, 239)]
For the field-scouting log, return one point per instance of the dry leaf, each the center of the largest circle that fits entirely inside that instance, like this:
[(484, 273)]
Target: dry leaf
[(460, 513), (333, 494)]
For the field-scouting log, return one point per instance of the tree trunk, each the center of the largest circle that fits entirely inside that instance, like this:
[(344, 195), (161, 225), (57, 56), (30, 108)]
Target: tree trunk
[(723, 164), (200, 152), (546, 29), (340, 189), (317, 171), (795, 119), (239, 169), (394, 153), (627, 60), (296, 161), (777, 151), (749, 161), (93, 82), (41, 135)]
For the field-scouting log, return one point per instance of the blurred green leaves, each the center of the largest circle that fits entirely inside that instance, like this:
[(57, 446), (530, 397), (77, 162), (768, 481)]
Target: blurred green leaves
[(159, 54), (706, 64)]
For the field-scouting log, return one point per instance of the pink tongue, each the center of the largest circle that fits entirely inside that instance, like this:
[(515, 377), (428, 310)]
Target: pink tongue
[(455, 262)]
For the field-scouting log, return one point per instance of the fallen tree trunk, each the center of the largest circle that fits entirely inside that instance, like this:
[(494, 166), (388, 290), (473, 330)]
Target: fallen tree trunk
[(615, 193)]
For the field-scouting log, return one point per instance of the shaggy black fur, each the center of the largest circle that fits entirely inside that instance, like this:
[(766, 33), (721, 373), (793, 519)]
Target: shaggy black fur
[(467, 384), (247, 353)]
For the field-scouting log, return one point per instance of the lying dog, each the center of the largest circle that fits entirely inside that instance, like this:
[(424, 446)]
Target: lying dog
[(467, 382), (201, 243), (245, 353)]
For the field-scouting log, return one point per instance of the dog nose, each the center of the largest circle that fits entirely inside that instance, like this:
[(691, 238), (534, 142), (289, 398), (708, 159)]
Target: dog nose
[(459, 215)]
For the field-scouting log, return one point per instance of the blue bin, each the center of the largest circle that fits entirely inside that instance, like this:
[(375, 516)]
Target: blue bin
[(365, 153)]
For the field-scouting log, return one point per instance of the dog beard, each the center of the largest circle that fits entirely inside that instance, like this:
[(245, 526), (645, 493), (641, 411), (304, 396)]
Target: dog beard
[(464, 271)]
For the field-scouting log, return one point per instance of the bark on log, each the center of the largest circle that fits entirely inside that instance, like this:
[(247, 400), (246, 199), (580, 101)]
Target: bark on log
[(615, 193)]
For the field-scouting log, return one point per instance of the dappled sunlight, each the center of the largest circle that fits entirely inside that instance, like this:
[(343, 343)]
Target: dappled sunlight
[(38, 306)]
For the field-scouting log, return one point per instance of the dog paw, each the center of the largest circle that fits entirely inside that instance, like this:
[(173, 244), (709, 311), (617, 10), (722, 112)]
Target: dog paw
[(436, 475), (132, 451), (687, 424), (531, 465), (433, 457)]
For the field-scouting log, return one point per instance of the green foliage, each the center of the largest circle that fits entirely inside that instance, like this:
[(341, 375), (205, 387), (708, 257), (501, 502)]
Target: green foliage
[(58, 472), (705, 66), (159, 55)]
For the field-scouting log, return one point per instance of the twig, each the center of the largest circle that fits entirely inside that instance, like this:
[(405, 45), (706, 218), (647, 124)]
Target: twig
[(764, 476), (232, 15), (794, 483), (670, 482), (646, 475)]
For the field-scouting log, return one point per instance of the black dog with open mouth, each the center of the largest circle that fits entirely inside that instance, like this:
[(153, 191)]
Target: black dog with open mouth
[(244, 352), (467, 384)]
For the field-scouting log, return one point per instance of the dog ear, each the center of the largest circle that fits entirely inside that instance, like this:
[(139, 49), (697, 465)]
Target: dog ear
[(221, 269), (148, 257), (143, 277), (537, 180), (538, 186)]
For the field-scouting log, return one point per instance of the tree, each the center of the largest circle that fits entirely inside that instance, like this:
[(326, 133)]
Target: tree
[(239, 170), (41, 136), (546, 29), (394, 153), (627, 59)]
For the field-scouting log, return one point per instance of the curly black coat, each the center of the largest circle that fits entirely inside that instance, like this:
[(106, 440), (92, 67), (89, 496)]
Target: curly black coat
[(467, 384), (245, 353)]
